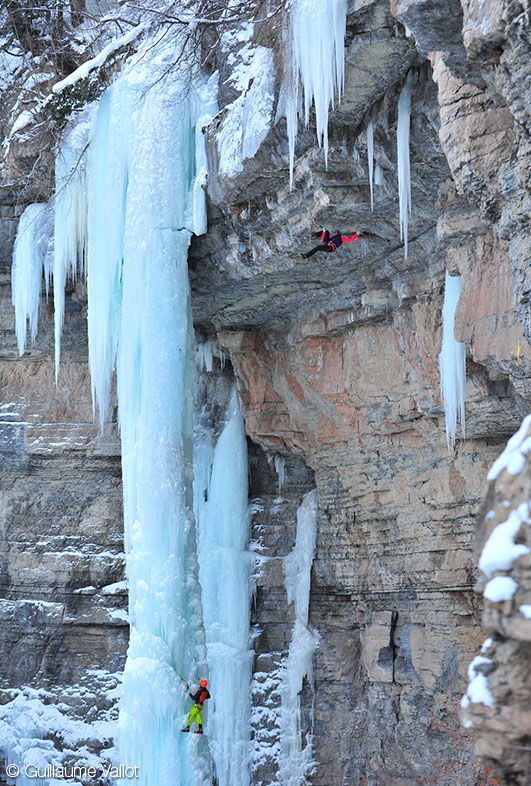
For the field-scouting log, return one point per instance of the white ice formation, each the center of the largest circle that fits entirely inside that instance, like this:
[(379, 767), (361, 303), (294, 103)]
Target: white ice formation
[(248, 119), (370, 157), (316, 61), (128, 196), (223, 521), (452, 363), (32, 255), (402, 157), (296, 752)]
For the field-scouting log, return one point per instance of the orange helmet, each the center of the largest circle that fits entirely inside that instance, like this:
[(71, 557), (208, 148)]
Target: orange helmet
[(203, 683)]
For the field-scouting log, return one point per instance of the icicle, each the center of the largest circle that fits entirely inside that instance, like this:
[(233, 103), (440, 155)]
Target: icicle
[(295, 758), (279, 468), (316, 58), (378, 175), (205, 358), (452, 363), (370, 157), (70, 223), (30, 258), (402, 146)]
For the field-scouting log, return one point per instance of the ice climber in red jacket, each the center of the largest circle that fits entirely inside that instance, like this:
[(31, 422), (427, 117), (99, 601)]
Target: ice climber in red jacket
[(199, 697), (329, 242)]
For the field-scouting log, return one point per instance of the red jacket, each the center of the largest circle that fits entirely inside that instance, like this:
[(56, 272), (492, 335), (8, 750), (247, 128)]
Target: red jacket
[(336, 240)]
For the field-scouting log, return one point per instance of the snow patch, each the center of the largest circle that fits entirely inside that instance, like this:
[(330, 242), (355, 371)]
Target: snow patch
[(248, 119), (96, 62), (513, 457), (500, 588), (500, 550), (478, 690)]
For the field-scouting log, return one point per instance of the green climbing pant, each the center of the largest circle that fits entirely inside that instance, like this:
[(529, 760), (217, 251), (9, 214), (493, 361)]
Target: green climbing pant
[(195, 712)]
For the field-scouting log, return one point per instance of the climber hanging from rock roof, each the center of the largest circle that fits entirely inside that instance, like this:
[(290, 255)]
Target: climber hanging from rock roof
[(329, 242)]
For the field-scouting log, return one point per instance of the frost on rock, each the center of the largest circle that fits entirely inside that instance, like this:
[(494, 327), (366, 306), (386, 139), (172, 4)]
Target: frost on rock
[(316, 62), (248, 119), (402, 155), (452, 363), (296, 754), (32, 255), (500, 550), (513, 457)]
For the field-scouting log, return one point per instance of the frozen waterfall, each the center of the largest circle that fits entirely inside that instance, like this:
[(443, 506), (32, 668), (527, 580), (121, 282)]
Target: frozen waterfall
[(128, 181), (223, 521), (316, 60), (452, 362), (296, 757)]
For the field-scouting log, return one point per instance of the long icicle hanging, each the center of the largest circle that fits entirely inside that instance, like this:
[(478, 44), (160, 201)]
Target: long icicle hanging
[(402, 146), (452, 363)]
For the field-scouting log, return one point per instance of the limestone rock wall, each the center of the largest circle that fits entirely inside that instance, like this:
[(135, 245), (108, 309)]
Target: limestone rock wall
[(336, 362)]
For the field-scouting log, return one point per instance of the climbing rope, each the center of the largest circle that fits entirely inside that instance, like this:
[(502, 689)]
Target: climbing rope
[(196, 758)]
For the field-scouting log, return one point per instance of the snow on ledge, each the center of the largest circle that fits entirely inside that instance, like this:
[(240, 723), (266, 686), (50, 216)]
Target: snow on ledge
[(513, 457), (500, 588), (85, 68), (500, 550), (478, 690), (248, 119)]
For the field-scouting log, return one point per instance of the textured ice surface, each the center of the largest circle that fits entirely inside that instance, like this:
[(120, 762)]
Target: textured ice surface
[(223, 521), (127, 199), (452, 363), (296, 752)]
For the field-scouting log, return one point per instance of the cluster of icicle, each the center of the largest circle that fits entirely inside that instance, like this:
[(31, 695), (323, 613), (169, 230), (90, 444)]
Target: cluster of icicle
[(128, 184), (316, 62), (452, 363)]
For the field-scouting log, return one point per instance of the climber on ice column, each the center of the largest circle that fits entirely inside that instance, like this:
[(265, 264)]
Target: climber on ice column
[(199, 697), (329, 242)]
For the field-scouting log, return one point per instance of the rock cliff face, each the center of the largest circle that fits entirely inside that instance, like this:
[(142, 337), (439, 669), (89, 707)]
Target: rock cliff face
[(336, 364), (501, 714)]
